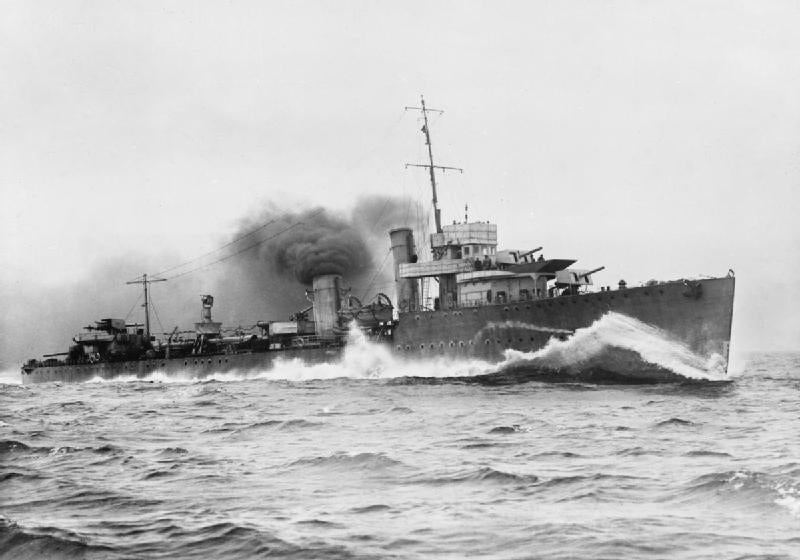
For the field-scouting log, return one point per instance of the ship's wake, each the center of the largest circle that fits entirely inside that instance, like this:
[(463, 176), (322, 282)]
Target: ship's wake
[(615, 348)]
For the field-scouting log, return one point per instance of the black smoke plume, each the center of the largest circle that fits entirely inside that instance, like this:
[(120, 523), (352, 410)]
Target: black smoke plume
[(313, 242), (271, 278)]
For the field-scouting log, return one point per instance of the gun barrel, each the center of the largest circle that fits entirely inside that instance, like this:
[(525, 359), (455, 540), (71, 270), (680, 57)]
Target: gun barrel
[(532, 251), (598, 269)]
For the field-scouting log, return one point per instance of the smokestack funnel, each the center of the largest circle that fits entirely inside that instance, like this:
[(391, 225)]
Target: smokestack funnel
[(404, 251), (327, 302)]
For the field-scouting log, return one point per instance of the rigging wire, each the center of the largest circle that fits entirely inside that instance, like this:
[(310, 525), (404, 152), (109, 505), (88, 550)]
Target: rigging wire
[(132, 308), (248, 247), (375, 275), (377, 145), (378, 219), (153, 306), (218, 249)]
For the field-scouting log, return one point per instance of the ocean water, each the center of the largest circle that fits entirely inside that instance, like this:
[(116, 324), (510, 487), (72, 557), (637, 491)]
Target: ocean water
[(376, 458)]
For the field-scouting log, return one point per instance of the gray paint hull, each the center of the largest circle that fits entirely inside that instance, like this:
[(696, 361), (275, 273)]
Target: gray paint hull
[(188, 367), (702, 323)]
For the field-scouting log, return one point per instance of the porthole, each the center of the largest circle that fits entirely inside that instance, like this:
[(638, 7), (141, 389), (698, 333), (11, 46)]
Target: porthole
[(186, 363), (416, 317), (408, 347), (422, 347), (452, 344), (431, 345), (441, 345), (487, 341), (505, 309), (516, 308), (461, 344), (520, 339), (399, 347)]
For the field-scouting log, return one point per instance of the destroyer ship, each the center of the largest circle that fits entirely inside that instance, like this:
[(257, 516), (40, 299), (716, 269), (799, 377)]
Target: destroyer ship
[(469, 299)]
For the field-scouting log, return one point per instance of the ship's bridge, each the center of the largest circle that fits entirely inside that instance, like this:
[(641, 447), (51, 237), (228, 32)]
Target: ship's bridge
[(455, 250), (470, 271), (467, 240)]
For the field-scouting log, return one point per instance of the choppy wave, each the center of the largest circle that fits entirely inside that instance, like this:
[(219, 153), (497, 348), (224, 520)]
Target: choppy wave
[(515, 428), (47, 542), (480, 474), (752, 488), (359, 469), (288, 425), (347, 461), (675, 422), (215, 540)]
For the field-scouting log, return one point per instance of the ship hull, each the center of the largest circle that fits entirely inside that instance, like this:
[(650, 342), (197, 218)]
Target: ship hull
[(190, 367), (698, 315)]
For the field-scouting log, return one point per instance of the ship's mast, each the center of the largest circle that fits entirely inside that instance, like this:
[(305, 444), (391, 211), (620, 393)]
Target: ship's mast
[(145, 281), (437, 213)]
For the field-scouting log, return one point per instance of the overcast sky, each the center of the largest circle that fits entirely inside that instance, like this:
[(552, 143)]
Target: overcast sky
[(660, 139)]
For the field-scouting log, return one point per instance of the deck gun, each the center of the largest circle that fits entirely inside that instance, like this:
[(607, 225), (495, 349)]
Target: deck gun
[(587, 274), (521, 257)]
